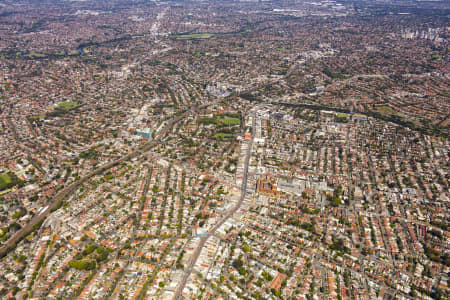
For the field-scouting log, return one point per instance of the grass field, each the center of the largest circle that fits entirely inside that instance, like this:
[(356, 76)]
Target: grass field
[(35, 55), (341, 117), (387, 110), (194, 36), (5, 180), (36, 117), (221, 136), (221, 121), (67, 105), (231, 121)]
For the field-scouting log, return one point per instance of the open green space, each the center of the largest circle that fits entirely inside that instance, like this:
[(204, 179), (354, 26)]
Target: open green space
[(8, 180), (84, 264), (36, 117), (231, 121), (5, 180), (201, 36), (335, 74), (89, 257), (35, 55), (221, 136), (38, 55), (341, 117), (221, 120), (386, 110), (66, 105)]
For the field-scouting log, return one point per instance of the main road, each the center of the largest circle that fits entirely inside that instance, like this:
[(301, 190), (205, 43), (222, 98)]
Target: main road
[(211, 232)]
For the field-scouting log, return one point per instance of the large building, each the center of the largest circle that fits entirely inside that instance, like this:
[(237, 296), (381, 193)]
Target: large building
[(266, 186)]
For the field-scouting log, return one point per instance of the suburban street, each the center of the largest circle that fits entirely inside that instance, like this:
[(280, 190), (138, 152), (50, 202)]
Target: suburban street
[(61, 195), (224, 150), (211, 232)]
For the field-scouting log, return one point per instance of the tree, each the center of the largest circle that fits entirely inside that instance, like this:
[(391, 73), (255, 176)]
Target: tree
[(237, 264)]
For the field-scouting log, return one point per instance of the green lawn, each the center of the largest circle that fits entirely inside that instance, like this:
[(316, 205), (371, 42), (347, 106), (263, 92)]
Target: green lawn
[(221, 136), (36, 117), (221, 121), (342, 115), (194, 36), (35, 55), (387, 110), (5, 180), (231, 121), (67, 105)]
